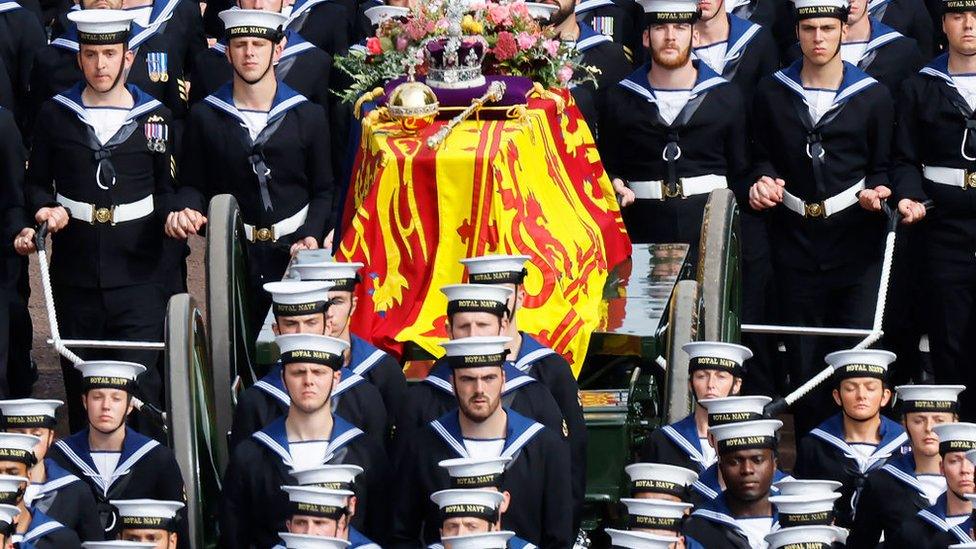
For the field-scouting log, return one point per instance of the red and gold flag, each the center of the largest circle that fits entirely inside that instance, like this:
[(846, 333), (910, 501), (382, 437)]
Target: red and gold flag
[(528, 184)]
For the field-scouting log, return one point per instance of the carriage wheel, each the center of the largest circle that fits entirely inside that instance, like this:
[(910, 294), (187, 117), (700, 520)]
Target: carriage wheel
[(719, 271), (682, 328)]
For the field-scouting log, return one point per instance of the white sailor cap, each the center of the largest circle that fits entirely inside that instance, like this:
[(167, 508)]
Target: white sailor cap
[(660, 478), (476, 351), (18, 447), (655, 514), (487, 540), (806, 487), (117, 544), (734, 409), (670, 11), (475, 472), (343, 276), (628, 539), (335, 477), (28, 413), (477, 298), (298, 297), (102, 27), (860, 363), (538, 10), (311, 348), (805, 509), (378, 14), (967, 545), (109, 374), (959, 6), (240, 23), (821, 536), (928, 398), (7, 515), (955, 437), (483, 504), (305, 541), (318, 502), (500, 269), (716, 355), (148, 514), (10, 488), (745, 435)]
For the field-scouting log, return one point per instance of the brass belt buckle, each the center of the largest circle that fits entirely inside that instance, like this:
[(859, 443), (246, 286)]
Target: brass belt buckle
[(815, 209), (679, 191), (104, 215), (263, 234), (969, 182)]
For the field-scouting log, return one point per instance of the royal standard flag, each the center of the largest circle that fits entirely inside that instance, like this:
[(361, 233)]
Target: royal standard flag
[(528, 182)]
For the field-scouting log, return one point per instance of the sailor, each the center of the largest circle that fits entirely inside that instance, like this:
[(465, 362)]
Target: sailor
[(536, 477), (17, 370), (302, 66), (477, 311), (656, 517), (949, 520), (858, 439), (723, 411), (825, 140), (300, 307), (253, 508), (316, 511), (735, 48), (8, 523), (150, 521), (33, 526), (100, 177), (156, 67), (597, 50), (819, 536), (935, 150), (671, 132), (715, 371), (742, 515), (380, 368), (113, 460), (334, 477), (52, 490), (530, 356), (909, 482), (911, 18), (268, 146), (472, 511), (660, 481), (22, 35), (620, 20)]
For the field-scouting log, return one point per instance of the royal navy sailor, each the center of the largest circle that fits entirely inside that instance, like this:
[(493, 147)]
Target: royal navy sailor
[(52, 490), (316, 511), (934, 156), (949, 520), (656, 517), (150, 521), (912, 481), (113, 460), (660, 481), (364, 359), (535, 477), (253, 508), (822, 142), (259, 131), (300, 307), (101, 177), (671, 132), (22, 36), (858, 439), (466, 511), (8, 523)]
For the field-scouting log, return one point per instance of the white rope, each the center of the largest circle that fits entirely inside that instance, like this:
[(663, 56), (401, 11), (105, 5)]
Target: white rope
[(876, 331)]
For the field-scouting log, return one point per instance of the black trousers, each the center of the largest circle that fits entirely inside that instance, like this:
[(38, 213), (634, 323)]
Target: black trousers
[(134, 313), (843, 297), (763, 376), (951, 294), (266, 262), (17, 371), (675, 220)]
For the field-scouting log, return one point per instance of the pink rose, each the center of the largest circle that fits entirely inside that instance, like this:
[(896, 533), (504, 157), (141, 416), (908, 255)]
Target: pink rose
[(520, 10), (442, 25), (505, 47), (373, 46), (525, 40), (401, 43), (564, 74), (499, 15), (551, 47)]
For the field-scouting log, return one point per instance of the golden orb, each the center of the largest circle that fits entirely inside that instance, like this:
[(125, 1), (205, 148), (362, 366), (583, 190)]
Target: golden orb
[(414, 105)]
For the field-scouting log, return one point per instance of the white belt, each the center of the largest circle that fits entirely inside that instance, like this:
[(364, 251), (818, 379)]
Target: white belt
[(686, 186), (280, 229), (954, 177), (837, 203), (120, 213)]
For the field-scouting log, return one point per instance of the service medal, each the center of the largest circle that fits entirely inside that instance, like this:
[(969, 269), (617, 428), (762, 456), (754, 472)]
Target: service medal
[(157, 133)]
